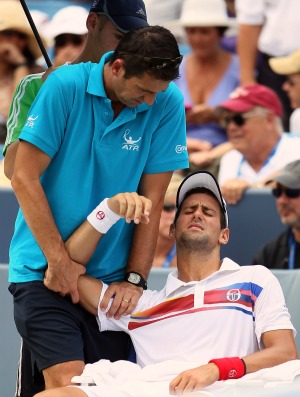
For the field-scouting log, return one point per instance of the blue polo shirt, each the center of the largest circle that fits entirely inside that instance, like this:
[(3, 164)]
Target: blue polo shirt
[(93, 157)]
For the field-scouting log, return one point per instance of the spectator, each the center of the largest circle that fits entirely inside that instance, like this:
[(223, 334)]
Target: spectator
[(204, 298), (283, 252), (208, 75), (165, 253), (260, 148), (290, 66), (86, 123), (68, 31), (18, 53), (272, 28)]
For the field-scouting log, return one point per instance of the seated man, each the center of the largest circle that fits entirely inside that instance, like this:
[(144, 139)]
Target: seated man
[(254, 128), (189, 312), (283, 252)]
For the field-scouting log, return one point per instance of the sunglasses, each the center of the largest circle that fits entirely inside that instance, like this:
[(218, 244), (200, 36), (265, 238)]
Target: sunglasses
[(290, 193), (239, 119), (63, 39), (14, 33), (158, 62), (169, 207)]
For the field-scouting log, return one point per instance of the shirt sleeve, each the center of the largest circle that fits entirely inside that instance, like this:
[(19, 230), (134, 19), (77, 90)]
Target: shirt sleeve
[(48, 115), (270, 309), (250, 12), (23, 98)]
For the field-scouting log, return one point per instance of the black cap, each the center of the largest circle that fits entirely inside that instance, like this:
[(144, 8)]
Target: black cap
[(126, 15)]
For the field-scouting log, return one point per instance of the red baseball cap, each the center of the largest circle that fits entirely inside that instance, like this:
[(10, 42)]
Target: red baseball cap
[(247, 96)]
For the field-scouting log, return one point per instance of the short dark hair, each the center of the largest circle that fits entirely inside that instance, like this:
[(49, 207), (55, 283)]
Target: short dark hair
[(206, 191), (151, 49)]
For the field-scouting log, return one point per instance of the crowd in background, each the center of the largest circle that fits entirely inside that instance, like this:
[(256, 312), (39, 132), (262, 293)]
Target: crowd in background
[(239, 78)]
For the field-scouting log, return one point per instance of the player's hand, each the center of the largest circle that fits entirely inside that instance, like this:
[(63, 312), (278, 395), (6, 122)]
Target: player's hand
[(131, 206), (233, 190), (194, 379), (125, 298), (63, 278)]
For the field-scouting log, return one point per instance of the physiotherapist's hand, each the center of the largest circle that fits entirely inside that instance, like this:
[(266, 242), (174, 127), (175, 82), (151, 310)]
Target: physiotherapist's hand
[(194, 379), (233, 189), (131, 206), (62, 277), (125, 298)]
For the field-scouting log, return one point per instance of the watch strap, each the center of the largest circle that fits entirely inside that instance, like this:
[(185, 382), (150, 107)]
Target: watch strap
[(142, 283)]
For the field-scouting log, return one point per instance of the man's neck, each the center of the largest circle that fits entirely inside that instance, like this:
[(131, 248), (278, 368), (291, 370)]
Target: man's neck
[(296, 233), (259, 156), (196, 266)]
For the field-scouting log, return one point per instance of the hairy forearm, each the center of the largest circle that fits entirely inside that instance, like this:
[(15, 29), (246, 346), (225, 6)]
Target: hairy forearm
[(247, 51), (38, 216), (145, 236)]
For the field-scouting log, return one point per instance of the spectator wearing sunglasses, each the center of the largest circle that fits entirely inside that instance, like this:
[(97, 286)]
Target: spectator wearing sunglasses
[(165, 253), (289, 66), (283, 252), (252, 118), (68, 31)]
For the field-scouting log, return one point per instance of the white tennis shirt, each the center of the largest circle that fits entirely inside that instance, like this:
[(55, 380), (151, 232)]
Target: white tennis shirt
[(223, 315)]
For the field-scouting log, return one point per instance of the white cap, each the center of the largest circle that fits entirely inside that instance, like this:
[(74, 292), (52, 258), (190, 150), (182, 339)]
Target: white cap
[(201, 179), (71, 19)]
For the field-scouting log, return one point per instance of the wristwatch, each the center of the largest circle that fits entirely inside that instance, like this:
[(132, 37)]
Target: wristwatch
[(136, 279)]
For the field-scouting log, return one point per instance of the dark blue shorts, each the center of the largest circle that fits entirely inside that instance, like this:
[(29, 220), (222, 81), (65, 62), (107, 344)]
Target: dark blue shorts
[(56, 330)]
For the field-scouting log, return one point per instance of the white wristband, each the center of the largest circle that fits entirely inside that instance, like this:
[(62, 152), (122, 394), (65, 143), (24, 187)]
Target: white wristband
[(102, 218)]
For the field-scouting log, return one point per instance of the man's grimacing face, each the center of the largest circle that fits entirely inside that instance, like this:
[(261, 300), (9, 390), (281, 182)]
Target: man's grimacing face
[(199, 222)]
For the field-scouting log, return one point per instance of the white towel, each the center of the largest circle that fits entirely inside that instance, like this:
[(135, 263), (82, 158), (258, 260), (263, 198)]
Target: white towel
[(125, 379)]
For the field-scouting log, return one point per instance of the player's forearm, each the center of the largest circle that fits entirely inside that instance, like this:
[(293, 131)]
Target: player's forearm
[(89, 290), (83, 242), (282, 349), (247, 51)]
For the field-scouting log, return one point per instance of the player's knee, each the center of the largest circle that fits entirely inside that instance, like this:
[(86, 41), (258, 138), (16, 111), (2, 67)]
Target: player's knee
[(60, 375)]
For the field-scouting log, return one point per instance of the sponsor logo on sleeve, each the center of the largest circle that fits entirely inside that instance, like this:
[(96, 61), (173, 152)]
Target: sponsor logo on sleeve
[(180, 149)]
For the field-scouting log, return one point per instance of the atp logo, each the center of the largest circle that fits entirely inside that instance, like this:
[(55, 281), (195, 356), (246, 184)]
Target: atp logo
[(130, 143), (30, 121), (233, 295)]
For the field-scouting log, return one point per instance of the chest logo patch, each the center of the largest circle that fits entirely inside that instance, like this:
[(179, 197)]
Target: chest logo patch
[(130, 143), (233, 295)]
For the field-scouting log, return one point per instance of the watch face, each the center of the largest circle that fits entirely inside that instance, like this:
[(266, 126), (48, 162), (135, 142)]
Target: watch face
[(134, 278)]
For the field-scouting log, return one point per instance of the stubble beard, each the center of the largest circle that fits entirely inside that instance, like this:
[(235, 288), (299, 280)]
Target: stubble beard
[(189, 244)]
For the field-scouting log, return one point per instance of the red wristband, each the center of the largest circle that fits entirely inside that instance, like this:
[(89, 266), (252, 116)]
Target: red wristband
[(230, 367)]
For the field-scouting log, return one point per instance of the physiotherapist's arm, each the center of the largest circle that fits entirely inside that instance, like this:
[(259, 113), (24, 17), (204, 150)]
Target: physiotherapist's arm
[(62, 273)]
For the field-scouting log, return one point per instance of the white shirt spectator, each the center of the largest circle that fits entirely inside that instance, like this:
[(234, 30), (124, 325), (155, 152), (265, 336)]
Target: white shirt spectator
[(234, 165), (280, 23)]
